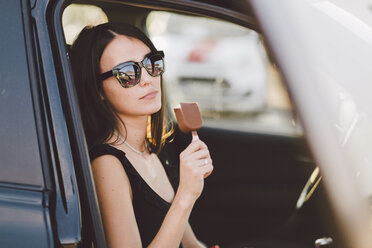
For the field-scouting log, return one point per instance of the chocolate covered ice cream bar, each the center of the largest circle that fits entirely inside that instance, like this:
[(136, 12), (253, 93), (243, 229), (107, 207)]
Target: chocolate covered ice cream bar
[(188, 117)]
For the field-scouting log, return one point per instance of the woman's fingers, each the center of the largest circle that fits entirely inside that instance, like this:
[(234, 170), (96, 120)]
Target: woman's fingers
[(207, 174), (204, 161), (194, 146), (206, 170), (200, 154), (207, 167)]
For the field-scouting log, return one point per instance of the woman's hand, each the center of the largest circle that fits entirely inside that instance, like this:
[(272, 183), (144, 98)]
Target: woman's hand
[(195, 165), (198, 244)]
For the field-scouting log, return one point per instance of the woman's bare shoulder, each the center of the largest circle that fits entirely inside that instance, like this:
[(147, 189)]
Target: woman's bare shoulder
[(108, 170)]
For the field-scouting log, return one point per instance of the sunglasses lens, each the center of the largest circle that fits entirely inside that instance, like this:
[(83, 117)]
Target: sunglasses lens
[(154, 65), (129, 75)]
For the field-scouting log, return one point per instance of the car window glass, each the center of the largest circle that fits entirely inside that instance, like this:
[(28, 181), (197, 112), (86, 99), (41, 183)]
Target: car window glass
[(77, 16), (225, 69)]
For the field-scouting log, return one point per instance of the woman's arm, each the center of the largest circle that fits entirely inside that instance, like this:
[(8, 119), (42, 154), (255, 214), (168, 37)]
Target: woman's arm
[(115, 199), (193, 170), (189, 239)]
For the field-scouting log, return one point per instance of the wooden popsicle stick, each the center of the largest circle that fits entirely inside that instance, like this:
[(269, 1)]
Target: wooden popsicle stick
[(195, 135)]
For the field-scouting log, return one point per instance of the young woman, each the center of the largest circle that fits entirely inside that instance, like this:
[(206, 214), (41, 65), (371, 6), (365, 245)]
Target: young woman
[(144, 202)]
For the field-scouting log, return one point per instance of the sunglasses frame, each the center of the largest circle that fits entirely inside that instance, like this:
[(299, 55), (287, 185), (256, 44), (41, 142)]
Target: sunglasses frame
[(115, 71)]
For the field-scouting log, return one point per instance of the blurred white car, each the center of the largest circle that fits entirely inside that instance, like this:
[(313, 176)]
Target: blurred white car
[(220, 65)]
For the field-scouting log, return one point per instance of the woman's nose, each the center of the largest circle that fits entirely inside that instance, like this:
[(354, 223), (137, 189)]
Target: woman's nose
[(146, 78)]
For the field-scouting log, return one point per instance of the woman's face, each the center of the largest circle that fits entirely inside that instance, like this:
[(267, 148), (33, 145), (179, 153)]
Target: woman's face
[(142, 99)]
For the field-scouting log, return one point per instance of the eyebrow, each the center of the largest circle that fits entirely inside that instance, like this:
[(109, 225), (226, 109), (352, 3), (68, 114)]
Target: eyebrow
[(131, 61)]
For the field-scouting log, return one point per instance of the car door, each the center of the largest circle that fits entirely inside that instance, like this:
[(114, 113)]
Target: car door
[(38, 203)]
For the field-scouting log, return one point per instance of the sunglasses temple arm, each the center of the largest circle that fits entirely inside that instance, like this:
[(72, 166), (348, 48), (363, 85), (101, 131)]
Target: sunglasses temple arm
[(106, 75)]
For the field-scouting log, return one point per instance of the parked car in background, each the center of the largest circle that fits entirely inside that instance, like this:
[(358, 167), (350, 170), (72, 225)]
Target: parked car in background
[(268, 189), (218, 64)]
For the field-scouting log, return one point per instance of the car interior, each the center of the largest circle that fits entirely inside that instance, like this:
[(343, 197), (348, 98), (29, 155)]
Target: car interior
[(265, 190)]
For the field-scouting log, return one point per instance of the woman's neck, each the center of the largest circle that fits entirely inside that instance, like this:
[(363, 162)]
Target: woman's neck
[(135, 131)]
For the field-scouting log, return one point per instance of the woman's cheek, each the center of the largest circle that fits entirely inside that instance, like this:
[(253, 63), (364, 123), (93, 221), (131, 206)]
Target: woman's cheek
[(120, 100), (125, 103)]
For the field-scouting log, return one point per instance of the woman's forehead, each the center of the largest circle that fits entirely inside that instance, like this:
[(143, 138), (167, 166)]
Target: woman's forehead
[(121, 49)]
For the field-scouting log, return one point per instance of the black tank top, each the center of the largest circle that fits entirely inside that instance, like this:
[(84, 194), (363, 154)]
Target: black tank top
[(149, 208)]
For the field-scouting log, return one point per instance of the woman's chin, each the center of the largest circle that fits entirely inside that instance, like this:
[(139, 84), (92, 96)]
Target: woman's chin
[(149, 110), (155, 110)]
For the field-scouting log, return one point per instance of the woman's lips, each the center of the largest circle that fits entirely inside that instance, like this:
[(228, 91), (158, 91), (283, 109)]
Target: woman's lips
[(150, 95)]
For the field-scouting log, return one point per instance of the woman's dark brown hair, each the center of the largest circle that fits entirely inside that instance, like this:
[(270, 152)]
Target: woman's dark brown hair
[(99, 118)]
